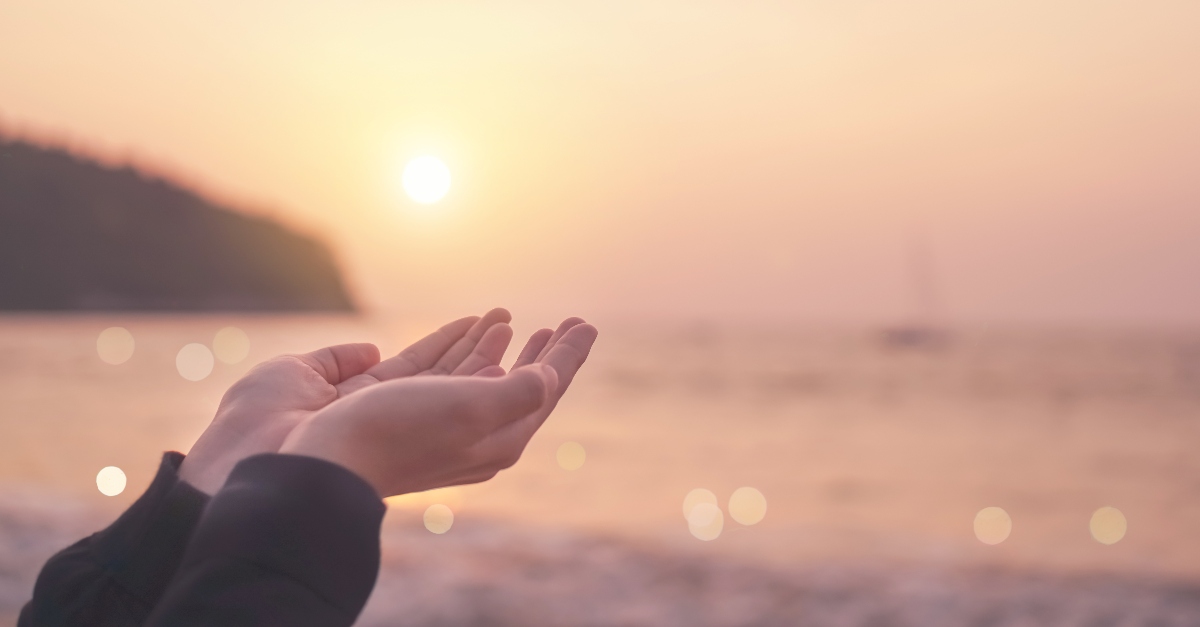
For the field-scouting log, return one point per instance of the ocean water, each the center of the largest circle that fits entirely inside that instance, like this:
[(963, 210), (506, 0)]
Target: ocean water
[(874, 460)]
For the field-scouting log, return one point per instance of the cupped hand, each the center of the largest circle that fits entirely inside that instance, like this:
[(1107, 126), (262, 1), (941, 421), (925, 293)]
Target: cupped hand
[(416, 434), (259, 411)]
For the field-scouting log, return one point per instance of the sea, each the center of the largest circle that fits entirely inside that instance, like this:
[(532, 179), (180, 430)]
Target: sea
[(874, 458)]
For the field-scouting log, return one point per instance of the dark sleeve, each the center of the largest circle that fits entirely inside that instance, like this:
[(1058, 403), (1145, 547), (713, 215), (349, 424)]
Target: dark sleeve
[(116, 577), (288, 540)]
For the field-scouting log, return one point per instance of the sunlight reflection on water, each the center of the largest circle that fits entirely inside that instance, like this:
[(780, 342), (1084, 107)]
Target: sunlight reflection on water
[(861, 451), (747, 505), (231, 345), (571, 456), (706, 521), (438, 518), (115, 345), (1108, 525), (194, 362), (696, 497), (992, 525)]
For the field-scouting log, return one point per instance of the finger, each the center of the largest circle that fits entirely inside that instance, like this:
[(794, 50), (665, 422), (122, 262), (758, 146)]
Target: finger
[(463, 347), (517, 394), (558, 333), (488, 352), (423, 353), (533, 347), (338, 363), (567, 355), (491, 371)]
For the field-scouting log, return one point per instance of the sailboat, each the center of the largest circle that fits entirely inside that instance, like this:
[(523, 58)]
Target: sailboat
[(923, 331)]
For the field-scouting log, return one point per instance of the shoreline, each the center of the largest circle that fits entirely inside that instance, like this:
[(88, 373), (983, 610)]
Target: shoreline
[(486, 572)]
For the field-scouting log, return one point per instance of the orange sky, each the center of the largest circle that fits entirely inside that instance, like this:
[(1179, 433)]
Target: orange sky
[(668, 157)]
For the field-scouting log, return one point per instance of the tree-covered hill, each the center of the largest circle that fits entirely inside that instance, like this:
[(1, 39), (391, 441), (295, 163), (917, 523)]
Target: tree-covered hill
[(77, 235)]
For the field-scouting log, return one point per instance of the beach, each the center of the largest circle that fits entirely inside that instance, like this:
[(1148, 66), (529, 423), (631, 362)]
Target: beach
[(873, 457)]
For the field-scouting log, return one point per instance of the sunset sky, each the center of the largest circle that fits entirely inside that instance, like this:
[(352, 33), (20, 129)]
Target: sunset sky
[(699, 158)]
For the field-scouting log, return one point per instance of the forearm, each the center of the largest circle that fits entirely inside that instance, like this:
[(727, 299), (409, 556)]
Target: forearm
[(118, 575), (288, 540)]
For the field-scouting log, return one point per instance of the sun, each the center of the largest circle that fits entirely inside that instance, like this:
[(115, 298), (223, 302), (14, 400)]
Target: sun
[(426, 179)]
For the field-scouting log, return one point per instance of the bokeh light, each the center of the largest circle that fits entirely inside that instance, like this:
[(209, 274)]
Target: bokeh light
[(571, 456), (231, 345), (696, 497), (747, 505), (194, 362), (438, 518), (110, 481), (992, 525), (706, 521), (426, 179), (1108, 525), (115, 345)]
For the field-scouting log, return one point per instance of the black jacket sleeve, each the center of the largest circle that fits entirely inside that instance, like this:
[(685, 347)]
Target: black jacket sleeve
[(288, 540), (116, 577)]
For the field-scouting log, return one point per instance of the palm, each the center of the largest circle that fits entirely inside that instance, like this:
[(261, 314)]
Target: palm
[(262, 408), (302, 384), (410, 435)]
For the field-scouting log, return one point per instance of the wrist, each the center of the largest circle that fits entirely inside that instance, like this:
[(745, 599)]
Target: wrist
[(307, 441), (219, 449)]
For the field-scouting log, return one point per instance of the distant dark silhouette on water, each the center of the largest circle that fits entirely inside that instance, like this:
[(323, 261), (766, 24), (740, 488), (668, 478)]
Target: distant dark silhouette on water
[(77, 235), (924, 331)]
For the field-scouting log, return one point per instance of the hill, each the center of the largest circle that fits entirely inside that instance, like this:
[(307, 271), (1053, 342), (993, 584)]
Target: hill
[(78, 235)]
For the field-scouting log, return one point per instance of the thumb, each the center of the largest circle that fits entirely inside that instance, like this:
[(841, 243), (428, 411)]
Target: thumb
[(338, 363), (521, 392)]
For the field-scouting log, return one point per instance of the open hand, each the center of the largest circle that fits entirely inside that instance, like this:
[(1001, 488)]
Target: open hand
[(419, 433), (261, 409)]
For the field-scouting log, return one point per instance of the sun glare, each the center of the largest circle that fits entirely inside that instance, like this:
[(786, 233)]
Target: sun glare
[(426, 179)]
